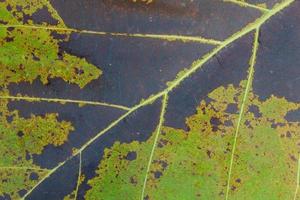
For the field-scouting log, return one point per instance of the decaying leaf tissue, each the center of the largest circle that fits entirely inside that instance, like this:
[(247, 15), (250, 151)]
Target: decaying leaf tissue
[(149, 99)]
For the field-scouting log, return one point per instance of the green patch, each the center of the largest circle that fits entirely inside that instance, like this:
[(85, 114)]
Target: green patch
[(194, 164)]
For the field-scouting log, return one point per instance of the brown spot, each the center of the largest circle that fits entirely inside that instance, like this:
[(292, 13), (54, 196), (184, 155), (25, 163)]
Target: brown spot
[(208, 152), (233, 188), (293, 158), (288, 134)]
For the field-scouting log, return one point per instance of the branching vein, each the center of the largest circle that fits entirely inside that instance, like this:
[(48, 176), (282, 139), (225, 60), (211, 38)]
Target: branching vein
[(247, 5), (246, 92), (26, 98), (196, 65), (161, 121), (167, 37), (79, 176)]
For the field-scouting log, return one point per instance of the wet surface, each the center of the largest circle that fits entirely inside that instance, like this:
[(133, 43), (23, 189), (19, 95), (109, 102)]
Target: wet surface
[(277, 69), (139, 126), (87, 121), (228, 67), (133, 68), (59, 184), (206, 18)]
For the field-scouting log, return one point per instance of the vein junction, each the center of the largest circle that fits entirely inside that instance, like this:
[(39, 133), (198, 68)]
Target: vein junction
[(173, 84)]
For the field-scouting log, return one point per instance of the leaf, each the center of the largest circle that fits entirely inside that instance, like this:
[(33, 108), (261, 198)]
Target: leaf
[(149, 99)]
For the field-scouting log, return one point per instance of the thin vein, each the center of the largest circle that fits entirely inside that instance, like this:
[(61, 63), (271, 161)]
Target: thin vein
[(252, 26), (168, 37), (65, 101), (196, 65), (248, 5), (79, 176), (298, 179), (113, 124), (23, 168), (161, 120), (44, 178), (246, 92)]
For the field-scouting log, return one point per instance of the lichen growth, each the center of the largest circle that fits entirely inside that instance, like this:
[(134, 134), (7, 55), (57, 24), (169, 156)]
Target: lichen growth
[(194, 164)]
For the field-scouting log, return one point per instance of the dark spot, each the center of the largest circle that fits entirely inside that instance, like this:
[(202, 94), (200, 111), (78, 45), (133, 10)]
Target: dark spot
[(35, 58), (10, 29), (9, 39), (5, 196), (255, 110), (22, 192), (162, 143), (233, 188), (238, 180), (275, 125), (43, 15), (228, 123), (58, 36), (9, 119), (163, 164), (146, 197), (3, 22), (215, 122), (293, 116), (232, 108), (248, 123), (8, 7), (131, 155), (288, 134), (20, 134), (79, 71), (34, 176), (133, 180), (28, 156), (157, 174), (19, 8), (26, 18), (293, 158)]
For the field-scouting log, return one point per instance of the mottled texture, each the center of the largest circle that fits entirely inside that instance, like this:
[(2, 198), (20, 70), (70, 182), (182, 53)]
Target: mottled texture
[(29, 53), (194, 100), (194, 164)]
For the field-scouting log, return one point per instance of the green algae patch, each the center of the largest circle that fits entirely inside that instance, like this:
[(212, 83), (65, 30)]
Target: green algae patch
[(194, 164), (21, 138), (30, 36), (29, 52), (123, 169), (16, 182)]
